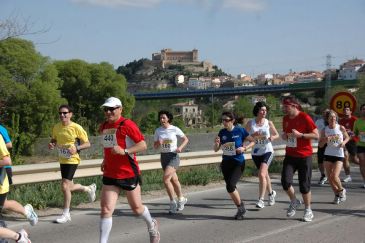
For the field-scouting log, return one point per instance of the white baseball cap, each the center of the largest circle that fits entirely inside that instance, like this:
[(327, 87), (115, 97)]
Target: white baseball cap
[(112, 102)]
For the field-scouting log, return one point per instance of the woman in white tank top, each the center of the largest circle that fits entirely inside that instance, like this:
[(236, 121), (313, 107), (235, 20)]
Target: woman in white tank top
[(336, 138), (264, 132)]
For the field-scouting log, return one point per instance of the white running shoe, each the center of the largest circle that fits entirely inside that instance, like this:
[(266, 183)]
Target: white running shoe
[(347, 179), (154, 233), (260, 203), (272, 198), (322, 180), (343, 195), (308, 215), (181, 203), (23, 237), (173, 207), (64, 219), (91, 192), (31, 215), (336, 200), (293, 208)]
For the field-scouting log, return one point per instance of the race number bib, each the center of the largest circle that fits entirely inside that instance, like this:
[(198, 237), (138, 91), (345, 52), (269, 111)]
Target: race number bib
[(333, 140), (109, 138), (260, 140), (166, 146), (362, 137), (291, 142), (63, 152), (229, 149)]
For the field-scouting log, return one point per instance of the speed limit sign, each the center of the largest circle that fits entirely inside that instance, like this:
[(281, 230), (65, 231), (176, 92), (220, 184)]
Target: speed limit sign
[(341, 100)]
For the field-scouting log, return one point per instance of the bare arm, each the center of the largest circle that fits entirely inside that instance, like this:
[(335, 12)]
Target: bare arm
[(346, 136), (273, 132), (322, 139), (217, 144), (183, 144), (5, 161), (138, 147)]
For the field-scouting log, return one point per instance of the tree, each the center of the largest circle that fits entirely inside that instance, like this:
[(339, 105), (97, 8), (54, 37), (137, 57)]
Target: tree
[(86, 86), (29, 92)]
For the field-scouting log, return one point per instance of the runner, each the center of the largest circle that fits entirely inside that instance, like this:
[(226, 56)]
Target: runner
[(166, 138), (359, 129), (122, 139), (264, 132), (66, 137), (298, 130), (5, 159), (348, 121), (336, 137), (27, 211), (321, 123), (231, 138)]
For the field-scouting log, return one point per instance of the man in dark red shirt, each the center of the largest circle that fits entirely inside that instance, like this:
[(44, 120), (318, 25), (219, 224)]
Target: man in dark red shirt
[(348, 121), (121, 140), (298, 131)]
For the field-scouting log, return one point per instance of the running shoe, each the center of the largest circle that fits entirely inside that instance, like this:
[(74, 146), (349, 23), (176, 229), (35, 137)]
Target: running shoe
[(272, 196), (343, 195), (31, 215), (154, 233), (173, 207), (336, 200), (347, 179), (91, 192), (293, 208), (241, 211), (260, 203), (181, 203), (322, 180), (64, 219), (308, 215), (23, 237)]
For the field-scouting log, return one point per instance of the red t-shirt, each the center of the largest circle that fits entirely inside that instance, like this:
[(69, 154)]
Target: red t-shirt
[(303, 123), (115, 165), (348, 123)]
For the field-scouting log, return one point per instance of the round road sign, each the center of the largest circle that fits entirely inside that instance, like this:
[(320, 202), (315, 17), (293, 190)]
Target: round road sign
[(341, 100)]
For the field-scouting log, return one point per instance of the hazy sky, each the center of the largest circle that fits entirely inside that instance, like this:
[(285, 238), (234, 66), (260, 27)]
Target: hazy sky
[(240, 36)]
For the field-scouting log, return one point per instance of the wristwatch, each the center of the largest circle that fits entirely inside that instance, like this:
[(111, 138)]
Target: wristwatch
[(126, 151)]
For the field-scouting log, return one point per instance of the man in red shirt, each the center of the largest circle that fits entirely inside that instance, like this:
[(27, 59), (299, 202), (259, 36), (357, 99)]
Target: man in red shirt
[(121, 139), (348, 121), (298, 131)]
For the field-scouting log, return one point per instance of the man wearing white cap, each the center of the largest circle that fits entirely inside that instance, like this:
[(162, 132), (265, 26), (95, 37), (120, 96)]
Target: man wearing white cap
[(121, 139)]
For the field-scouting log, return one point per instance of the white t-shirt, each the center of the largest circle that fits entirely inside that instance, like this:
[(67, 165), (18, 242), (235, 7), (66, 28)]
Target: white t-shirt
[(168, 136)]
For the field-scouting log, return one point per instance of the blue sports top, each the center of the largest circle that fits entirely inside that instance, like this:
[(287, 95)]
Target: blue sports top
[(230, 140)]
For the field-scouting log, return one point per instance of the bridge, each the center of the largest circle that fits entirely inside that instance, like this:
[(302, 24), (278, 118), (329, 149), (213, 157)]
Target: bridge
[(245, 90)]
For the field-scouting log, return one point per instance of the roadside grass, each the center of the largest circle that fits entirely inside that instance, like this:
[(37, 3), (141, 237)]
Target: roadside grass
[(48, 195)]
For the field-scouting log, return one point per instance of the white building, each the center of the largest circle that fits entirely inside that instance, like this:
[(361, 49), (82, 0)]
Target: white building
[(196, 83)]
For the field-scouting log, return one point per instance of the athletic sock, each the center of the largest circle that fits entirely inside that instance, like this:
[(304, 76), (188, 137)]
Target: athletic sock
[(66, 211), (105, 228), (147, 217)]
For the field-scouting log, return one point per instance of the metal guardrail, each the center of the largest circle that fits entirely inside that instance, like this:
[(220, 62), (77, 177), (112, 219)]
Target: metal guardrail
[(34, 173)]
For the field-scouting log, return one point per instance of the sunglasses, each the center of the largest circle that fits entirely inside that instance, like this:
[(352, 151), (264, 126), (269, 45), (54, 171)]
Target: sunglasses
[(63, 113), (111, 109), (226, 120)]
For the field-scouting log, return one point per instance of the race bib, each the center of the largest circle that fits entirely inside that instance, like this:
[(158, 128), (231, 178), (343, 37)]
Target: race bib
[(362, 137), (260, 140), (63, 152), (291, 142), (333, 140), (229, 149), (166, 146), (109, 138)]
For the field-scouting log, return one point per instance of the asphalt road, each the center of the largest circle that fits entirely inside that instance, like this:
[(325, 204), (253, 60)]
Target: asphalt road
[(208, 217)]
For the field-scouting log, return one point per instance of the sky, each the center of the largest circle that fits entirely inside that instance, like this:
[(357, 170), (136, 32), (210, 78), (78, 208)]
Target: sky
[(239, 36)]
